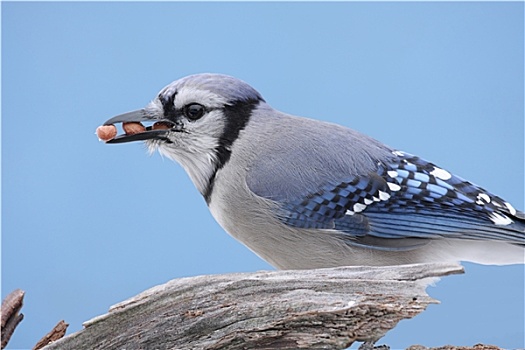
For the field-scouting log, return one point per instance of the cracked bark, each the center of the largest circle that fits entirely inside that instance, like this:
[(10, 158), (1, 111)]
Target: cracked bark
[(56, 333), (314, 309)]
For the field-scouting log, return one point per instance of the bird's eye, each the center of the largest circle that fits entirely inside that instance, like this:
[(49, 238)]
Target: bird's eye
[(193, 111)]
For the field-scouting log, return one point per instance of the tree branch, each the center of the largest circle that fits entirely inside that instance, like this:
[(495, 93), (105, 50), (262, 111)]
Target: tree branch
[(11, 306), (315, 309), (56, 333)]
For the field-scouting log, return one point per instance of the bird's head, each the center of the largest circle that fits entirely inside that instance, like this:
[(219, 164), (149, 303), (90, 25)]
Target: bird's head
[(196, 120)]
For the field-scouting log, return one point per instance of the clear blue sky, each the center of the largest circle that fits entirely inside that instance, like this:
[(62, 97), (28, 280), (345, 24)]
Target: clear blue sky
[(86, 225)]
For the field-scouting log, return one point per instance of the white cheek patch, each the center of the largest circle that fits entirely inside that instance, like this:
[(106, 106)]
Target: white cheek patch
[(197, 158), (210, 127)]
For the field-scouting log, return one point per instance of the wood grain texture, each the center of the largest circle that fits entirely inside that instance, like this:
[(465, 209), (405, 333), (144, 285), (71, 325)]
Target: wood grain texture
[(314, 309)]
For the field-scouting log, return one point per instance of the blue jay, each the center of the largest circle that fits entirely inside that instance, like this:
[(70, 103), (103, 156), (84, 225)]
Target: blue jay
[(302, 193)]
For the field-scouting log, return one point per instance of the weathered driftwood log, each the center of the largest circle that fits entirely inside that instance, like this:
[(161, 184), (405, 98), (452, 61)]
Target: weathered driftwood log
[(314, 309)]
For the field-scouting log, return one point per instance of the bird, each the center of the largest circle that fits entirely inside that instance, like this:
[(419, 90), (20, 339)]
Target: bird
[(303, 193)]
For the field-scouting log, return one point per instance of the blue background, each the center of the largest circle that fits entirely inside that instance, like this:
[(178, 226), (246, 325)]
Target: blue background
[(86, 225)]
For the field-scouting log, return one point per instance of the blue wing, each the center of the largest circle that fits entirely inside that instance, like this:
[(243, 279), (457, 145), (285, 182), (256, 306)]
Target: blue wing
[(403, 202)]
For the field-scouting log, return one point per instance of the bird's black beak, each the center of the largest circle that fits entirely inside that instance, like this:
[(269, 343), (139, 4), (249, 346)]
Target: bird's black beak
[(149, 133)]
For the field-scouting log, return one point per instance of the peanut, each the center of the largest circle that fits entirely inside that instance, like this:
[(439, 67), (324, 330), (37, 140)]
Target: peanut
[(132, 128), (160, 126), (106, 132)]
